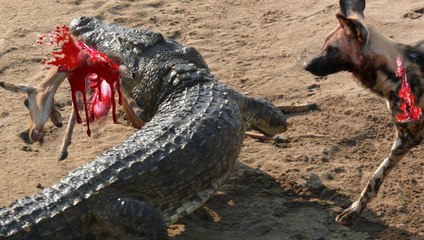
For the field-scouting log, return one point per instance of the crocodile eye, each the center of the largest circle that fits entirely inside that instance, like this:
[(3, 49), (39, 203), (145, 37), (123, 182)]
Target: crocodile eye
[(26, 103)]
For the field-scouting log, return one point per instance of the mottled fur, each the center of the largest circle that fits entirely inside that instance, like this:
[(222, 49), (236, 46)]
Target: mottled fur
[(371, 57)]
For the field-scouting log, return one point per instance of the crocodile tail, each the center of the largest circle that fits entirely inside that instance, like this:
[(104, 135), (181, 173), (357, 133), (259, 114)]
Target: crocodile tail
[(55, 213)]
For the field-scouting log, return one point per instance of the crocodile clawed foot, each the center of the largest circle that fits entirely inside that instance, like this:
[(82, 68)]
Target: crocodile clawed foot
[(266, 138), (298, 108), (258, 136)]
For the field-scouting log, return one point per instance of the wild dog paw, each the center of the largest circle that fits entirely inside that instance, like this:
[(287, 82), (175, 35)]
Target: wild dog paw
[(349, 215)]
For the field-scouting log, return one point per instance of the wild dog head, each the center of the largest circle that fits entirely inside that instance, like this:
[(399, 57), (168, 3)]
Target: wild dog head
[(344, 48)]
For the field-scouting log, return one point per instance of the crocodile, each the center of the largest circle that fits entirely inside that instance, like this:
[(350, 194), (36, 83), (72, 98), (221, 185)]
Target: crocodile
[(164, 171)]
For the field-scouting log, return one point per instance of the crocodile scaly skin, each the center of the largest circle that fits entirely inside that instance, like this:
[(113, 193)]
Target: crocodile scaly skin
[(165, 170)]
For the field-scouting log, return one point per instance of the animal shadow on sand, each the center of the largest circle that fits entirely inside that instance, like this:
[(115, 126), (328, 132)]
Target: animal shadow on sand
[(254, 205)]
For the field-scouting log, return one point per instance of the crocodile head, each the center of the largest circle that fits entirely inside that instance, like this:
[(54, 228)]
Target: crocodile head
[(146, 56), (134, 50), (92, 31)]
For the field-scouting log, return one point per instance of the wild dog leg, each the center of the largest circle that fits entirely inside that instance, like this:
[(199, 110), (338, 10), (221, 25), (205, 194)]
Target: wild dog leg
[(400, 147)]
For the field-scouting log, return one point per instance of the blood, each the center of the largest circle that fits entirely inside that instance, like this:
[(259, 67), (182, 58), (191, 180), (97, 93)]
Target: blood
[(408, 110), (85, 63), (101, 97)]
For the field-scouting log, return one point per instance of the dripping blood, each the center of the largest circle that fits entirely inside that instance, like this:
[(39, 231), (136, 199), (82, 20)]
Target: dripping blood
[(84, 63)]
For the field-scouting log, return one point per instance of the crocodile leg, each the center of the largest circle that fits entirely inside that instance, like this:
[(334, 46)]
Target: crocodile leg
[(289, 109), (259, 114), (127, 218)]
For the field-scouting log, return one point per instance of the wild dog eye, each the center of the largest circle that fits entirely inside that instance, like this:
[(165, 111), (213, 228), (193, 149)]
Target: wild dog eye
[(332, 51), (26, 103)]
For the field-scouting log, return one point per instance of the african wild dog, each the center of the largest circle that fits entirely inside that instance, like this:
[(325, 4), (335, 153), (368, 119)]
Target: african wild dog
[(371, 57)]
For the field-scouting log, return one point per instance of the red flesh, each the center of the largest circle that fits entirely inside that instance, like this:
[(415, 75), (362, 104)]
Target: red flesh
[(83, 62), (408, 110)]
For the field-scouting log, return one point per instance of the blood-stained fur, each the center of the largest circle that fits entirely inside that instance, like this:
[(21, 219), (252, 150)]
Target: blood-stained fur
[(371, 58)]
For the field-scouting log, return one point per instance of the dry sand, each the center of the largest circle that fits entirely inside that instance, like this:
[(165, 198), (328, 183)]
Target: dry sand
[(291, 190)]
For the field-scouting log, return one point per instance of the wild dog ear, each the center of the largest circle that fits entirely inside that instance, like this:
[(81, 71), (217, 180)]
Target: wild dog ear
[(354, 27), (352, 8)]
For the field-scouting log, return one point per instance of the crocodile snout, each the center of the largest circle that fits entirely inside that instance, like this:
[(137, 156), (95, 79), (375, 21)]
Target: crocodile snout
[(82, 24)]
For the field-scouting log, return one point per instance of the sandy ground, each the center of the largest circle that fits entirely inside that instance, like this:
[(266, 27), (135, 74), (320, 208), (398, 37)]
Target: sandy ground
[(291, 190)]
